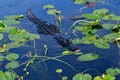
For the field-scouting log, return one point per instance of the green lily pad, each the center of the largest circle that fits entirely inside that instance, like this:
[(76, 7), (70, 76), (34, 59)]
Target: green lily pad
[(108, 26), (12, 65), (64, 78), (66, 52), (14, 45), (21, 36), (105, 77), (76, 41), (2, 58), (53, 12), (111, 17), (10, 75), (91, 16), (81, 76), (1, 36), (88, 57), (2, 75), (102, 44), (59, 70), (113, 71), (12, 56), (79, 1), (111, 37), (48, 6)]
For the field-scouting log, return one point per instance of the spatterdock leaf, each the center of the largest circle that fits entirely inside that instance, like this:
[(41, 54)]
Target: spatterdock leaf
[(88, 57)]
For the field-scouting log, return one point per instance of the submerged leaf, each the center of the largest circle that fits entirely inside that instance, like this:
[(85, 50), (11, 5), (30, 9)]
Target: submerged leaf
[(88, 57)]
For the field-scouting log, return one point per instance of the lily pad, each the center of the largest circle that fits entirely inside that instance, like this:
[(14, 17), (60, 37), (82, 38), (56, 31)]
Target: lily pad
[(105, 77), (10, 75), (79, 1), (12, 56), (81, 76), (102, 44), (48, 6), (66, 52), (2, 75), (113, 71), (53, 12), (21, 36), (2, 58), (88, 57), (59, 71), (14, 45), (76, 41), (12, 65), (1, 36), (108, 26), (111, 37)]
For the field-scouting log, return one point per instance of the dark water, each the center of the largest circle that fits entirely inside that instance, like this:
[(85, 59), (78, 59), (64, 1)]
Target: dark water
[(46, 70)]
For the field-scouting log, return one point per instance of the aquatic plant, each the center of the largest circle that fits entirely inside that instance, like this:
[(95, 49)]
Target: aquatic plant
[(90, 28), (48, 6), (109, 75)]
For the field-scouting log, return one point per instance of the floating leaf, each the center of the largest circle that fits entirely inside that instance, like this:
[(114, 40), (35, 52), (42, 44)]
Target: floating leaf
[(113, 71), (2, 75), (76, 41), (91, 16), (111, 37), (100, 12), (88, 57), (14, 45), (102, 44), (12, 56), (79, 1), (66, 52), (1, 36), (53, 12), (81, 76), (12, 65), (10, 75), (2, 58), (21, 36), (108, 26), (104, 77), (48, 6), (59, 71), (111, 17), (64, 78)]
